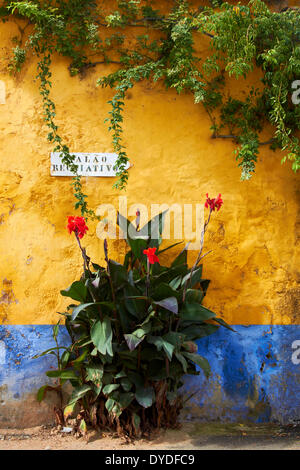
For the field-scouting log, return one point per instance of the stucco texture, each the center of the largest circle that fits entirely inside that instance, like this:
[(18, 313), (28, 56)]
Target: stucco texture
[(254, 237)]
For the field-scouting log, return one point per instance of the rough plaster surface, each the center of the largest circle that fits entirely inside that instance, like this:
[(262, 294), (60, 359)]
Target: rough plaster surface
[(254, 266), (253, 376), (21, 375), (255, 237)]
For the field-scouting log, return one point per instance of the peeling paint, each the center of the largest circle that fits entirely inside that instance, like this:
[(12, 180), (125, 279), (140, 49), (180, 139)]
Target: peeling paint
[(239, 389), (7, 294)]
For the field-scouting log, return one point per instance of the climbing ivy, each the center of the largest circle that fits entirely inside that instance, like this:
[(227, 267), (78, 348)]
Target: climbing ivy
[(162, 48)]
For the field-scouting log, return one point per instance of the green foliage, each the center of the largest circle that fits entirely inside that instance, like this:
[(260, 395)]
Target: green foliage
[(162, 48), (133, 338)]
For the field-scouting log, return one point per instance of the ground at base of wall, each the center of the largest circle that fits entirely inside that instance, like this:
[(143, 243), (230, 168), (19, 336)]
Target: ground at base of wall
[(191, 436)]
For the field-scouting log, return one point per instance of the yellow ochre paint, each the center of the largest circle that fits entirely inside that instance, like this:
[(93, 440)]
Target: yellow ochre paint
[(254, 237)]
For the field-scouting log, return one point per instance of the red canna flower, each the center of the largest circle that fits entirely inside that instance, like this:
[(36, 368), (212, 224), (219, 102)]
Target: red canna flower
[(152, 258), (214, 203), (77, 225)]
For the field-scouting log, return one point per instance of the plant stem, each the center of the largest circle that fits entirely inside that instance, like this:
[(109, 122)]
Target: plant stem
[(189, 280)]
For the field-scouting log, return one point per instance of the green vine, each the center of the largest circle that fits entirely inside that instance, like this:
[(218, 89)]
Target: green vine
[(241, 38)]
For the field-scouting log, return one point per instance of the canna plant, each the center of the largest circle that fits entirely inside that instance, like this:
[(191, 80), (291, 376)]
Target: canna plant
[(133, 333)]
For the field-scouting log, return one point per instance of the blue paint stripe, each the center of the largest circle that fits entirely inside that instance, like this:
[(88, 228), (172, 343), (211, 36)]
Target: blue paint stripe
[(255, 374)]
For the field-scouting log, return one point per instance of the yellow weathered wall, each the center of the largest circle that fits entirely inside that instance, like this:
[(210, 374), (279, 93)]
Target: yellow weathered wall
[(254, 266)]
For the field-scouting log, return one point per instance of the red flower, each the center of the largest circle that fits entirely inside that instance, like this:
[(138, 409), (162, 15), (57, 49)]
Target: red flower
[(213, 203), (152, 258), (77, 225)]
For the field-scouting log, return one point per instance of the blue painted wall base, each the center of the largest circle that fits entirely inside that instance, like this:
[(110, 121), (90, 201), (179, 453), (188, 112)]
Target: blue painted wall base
[(255, 374)]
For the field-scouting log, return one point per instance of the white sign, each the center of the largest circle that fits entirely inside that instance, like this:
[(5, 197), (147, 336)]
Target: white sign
[(88, 164)]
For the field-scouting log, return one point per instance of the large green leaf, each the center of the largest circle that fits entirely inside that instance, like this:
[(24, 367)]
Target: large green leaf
[(126, 384), (129, 230), (78, 361), (154, 229), (136, 379), (77, 291), (194, 295), (68, 411), (174, 337), (136, 421), (118, 273), (170, 303), (200, 361), (204, 283), (121, 374), (163, 291), (55, 330), (109, 404), (133, 301), (138, 246), (135, 338), (78, 393), (168, 275), (81, 307), (160, 343), (168, 248), (42, 392), (94, 373), (182, 361), (101, 335), (110, 388), (196, 277), (145, 396), (49, 351), (63, 374), (199, 331), (223, 323), (181, 258), (125, 399), (175, 283), (195, 312), (65, 358)]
